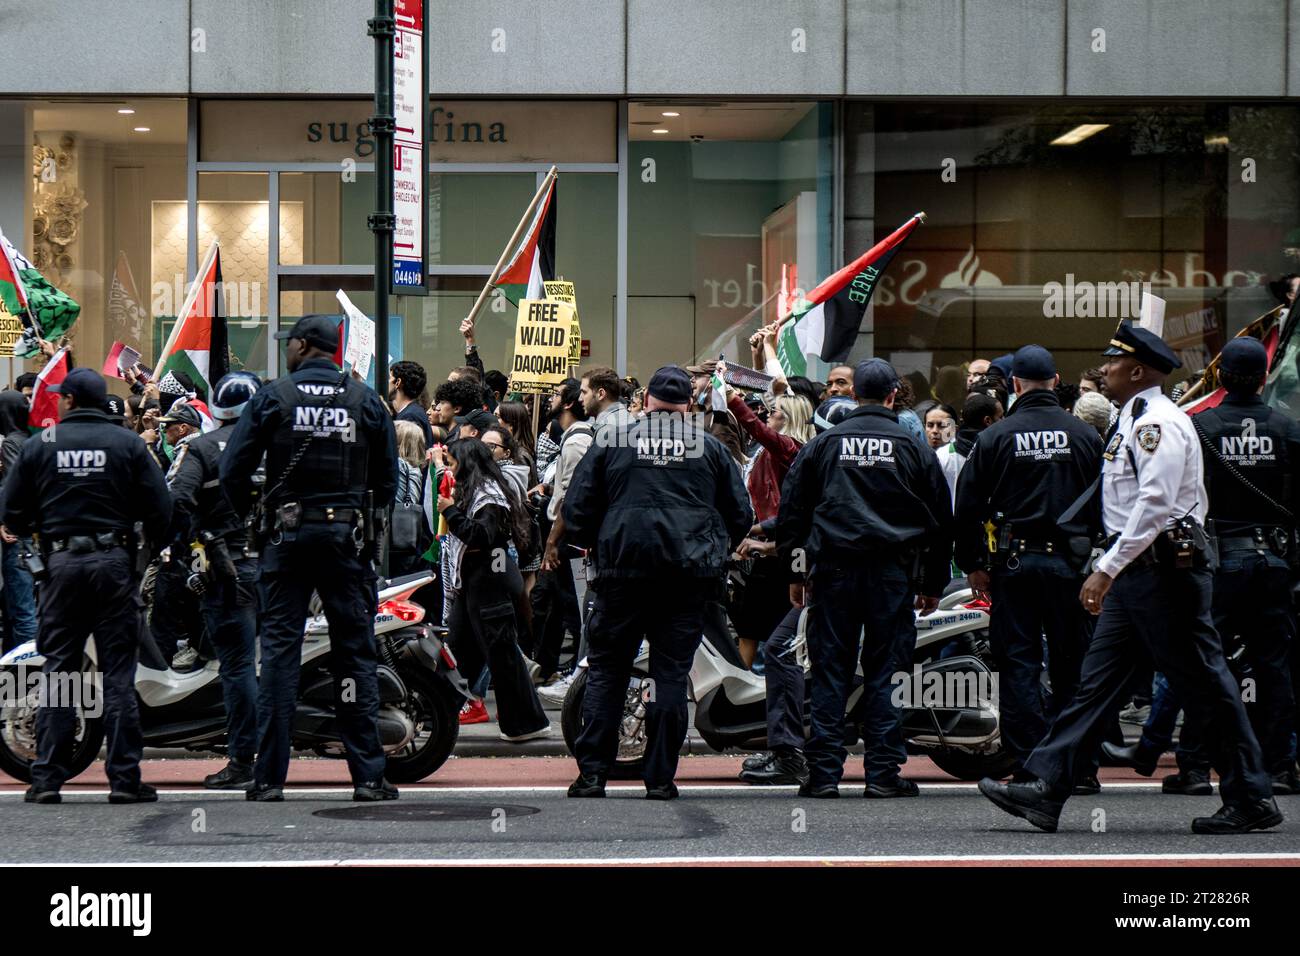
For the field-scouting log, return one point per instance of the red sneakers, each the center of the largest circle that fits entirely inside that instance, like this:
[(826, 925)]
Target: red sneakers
[(474, 712)]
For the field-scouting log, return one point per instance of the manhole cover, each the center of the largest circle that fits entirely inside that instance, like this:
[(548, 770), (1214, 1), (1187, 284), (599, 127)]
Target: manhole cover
[(394, 812)]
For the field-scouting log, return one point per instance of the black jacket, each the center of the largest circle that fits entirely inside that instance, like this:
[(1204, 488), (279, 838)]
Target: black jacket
[(417, 416), (200, 500), (1266, 453), (662, 499), (867, 489), (1030, 467), (85, 475), (353, 447)]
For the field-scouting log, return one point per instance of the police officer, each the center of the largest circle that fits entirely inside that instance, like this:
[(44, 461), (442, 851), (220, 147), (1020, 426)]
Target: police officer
[(327, 438), (1252, 455), (1154, 583), (82, 487), (662, 506), (204, 515), (1022, 476), (865, 508)]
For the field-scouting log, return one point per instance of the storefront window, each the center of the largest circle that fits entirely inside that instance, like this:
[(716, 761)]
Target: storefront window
[(724, 200), (1045, 222), (91, 205)]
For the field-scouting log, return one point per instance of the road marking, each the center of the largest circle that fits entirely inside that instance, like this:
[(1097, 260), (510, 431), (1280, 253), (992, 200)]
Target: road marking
[(291, 791), (1289, 858)]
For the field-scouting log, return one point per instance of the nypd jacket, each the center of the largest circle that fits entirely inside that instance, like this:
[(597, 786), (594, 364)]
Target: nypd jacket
[(85, 475), (662, 498), (867, 489), (200, 500), (1263, 446), (1030, 467), (353, 446)]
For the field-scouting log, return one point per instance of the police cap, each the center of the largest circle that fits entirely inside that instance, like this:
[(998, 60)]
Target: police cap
[(1144, 346), (320, 331), (85, 386), (1244, 356)]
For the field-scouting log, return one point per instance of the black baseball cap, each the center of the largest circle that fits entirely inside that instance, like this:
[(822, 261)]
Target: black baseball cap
[(182, 414), (1244, 355), (1145, 346), (1033, 363), (85, 386), (875, 378), (321, 331), (670, 384), (115, 405), (479, 419)]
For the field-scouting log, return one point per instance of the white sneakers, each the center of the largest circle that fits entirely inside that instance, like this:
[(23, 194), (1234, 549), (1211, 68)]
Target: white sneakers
[(531, 735), (554, 692)]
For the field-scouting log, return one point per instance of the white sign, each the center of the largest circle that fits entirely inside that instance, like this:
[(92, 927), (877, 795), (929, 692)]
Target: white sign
[(1153, 314), (408, 148), (360, 348)]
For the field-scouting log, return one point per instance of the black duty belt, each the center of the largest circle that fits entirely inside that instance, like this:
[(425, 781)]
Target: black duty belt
[(1259, 539), (344, 515), (86, 543)]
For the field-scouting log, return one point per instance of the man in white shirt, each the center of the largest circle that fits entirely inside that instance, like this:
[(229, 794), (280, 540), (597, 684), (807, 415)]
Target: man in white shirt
[(1154, 582)]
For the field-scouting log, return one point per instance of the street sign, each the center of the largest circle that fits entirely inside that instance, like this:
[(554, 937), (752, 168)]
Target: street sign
[(410, 170)]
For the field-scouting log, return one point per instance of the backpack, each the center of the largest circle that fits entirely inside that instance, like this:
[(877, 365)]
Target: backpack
[(406, 530)]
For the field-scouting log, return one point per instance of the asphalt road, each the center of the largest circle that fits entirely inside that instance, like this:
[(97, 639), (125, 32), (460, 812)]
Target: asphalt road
[(491, 811)]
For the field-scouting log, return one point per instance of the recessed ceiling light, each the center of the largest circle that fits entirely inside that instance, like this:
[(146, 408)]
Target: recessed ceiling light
[(142, 129), (659, 132), (671, 113), (126, 112)]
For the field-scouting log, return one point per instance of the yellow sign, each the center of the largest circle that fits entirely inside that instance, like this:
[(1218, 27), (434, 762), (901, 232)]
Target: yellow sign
[(11, 330), (563, 291), (542, 335)]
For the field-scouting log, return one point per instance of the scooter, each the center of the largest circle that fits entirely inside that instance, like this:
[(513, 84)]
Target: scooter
[(420, 695), (948, 700)]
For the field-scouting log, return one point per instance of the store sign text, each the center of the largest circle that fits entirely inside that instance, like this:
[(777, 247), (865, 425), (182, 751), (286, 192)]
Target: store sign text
[(443, 128)]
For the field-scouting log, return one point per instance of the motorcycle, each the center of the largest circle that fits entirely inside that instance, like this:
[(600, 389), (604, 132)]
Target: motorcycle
[(420, 695), (949, 699)]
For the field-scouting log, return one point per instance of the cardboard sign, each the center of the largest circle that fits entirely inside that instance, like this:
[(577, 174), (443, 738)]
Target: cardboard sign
[(11, 330), (739, 376), (563, 291), (361, 336), (542, 335), (120, 358)]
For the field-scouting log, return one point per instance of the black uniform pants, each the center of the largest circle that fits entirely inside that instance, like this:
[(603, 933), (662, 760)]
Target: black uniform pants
[(1168, 610), (90, 593), (846, 598), (785, 686), (669, 614), (1252, 598), (230, 615), (319, 557), (1036, 597)]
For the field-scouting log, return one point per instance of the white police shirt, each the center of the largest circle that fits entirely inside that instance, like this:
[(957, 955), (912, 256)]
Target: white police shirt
[(1152, 475)]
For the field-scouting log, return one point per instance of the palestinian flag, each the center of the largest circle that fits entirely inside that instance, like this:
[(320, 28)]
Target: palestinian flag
[(717, 391), (824, 326), (45, 404), (46, 312), (534, 261), (437, 524), (198, 343)]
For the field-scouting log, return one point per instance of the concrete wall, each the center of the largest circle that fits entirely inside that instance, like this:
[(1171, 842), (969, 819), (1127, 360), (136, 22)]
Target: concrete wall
[(1229, 48)]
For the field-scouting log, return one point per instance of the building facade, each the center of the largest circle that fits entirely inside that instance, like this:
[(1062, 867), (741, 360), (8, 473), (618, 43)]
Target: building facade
[(713, 155)]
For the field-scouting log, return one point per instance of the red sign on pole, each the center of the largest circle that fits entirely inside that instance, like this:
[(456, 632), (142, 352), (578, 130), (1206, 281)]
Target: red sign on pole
[(410, 171)]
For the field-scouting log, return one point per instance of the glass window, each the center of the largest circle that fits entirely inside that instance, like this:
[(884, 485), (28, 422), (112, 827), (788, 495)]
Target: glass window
[(89, 201), (1052, 218), (725, 201), (232, 210)]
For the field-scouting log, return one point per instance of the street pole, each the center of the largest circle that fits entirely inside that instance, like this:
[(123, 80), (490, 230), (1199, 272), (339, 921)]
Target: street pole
[(382, 221)]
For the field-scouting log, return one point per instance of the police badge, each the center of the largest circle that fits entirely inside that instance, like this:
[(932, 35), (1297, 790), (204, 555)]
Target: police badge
[(1148, 437), (1113, 448)]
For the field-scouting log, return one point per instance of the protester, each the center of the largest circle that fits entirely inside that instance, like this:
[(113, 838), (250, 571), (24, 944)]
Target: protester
[(485, 515), (1095, 409), (1093, 380), (975, 371), (979, 412), (516, 419), (407, 532), (19, 587), (453, 398), (940, 425), (406, 381)]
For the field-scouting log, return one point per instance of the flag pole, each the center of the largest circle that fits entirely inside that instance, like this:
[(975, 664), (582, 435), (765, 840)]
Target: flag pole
[(190, 298), (510, 245)]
